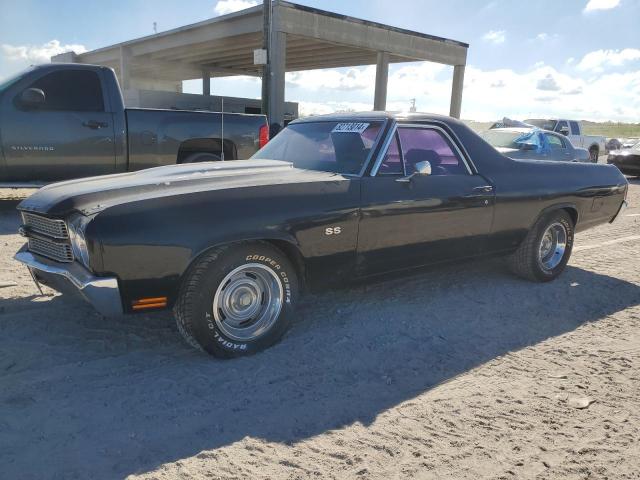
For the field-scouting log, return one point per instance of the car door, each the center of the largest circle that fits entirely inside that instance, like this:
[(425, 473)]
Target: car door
[(407, 222), (70, 135), (559, 150)]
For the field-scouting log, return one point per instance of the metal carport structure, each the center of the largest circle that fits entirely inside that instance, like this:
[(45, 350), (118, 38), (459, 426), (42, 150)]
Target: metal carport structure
[(301, 38)]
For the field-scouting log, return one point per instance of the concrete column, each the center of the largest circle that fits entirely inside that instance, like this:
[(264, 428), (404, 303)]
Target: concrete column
[(277, 70), (382, 79), (125, 68), (206, 82), (456, 91)]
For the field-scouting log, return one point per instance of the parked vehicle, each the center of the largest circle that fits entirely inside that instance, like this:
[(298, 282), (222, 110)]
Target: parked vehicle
[(330, 199), (613, 144), (629, 142), (59, 122), (572, 129), (534, 144), (627, 160)]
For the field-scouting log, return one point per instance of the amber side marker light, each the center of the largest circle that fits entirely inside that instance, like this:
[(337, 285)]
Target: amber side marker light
[(146, 303)]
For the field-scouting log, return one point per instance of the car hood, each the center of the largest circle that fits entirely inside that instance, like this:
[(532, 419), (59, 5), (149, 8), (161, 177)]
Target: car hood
[(94, 194), (506, 151), (625, 152), (514, 153)]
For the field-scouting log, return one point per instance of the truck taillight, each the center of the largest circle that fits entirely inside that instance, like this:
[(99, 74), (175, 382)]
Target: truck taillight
[(263, 135)]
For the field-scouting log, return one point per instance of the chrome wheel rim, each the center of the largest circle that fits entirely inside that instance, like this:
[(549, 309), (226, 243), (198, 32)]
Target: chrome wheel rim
[(552, 246), (248, 302)]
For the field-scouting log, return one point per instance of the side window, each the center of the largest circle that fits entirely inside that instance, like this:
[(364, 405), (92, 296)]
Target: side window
[(420, 144), (555, 142), (392, 162), (575, 128), (71, 90), (561, 125)]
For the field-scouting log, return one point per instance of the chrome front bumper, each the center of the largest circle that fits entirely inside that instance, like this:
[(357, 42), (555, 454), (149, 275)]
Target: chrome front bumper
[(101, 292)]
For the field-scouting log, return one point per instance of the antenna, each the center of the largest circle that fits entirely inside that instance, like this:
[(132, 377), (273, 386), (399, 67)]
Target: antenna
[(222, 116)]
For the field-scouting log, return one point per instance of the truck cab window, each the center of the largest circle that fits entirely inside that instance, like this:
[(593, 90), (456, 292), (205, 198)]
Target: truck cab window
[(562, 125), (71, 90), (555, 142), (575, 128)]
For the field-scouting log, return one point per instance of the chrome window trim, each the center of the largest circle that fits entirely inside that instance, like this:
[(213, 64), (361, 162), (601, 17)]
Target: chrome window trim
[(383, 150), (426, 126), (459, 144)]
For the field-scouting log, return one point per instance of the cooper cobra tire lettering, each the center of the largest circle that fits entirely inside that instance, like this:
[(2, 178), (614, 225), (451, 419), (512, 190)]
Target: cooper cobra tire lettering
[(194, 307)]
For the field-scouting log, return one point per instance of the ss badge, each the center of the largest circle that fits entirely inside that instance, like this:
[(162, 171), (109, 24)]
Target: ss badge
[(333, 231)]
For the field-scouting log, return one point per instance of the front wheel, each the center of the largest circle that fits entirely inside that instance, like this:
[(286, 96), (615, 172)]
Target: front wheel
[(593, 155), (237, 300), (545, 252)]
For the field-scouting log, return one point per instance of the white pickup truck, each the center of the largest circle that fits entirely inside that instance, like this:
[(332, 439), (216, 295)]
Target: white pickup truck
[(572, 129)]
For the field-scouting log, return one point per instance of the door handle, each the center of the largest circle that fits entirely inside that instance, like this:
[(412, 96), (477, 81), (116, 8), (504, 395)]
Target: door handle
[(94, 125), (480, 192)]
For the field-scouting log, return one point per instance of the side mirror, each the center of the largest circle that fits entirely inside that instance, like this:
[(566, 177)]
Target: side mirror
[(528, 146), (422, 168), (564, 131), (32, 97)]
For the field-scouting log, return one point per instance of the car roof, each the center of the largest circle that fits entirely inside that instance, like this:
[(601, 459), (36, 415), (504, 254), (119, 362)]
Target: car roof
[(380, 116)]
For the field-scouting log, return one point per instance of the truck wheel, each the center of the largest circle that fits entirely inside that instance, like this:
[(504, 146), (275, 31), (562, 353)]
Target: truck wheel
[(544, 253), (593, 154), (202, 157), (237, 300)]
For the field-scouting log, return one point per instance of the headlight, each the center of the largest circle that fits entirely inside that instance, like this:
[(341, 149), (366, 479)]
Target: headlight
[(77, 225)]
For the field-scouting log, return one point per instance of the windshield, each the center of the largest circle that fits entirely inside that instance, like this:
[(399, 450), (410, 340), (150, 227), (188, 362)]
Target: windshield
[(502, 139), (543, 124), (338, 147), (7, 82)]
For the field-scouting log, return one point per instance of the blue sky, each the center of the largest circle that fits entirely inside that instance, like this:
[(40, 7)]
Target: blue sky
[(578, 58)]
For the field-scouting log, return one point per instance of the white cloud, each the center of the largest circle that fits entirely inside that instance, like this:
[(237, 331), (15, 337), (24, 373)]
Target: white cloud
[(594, 5), (548, 83), (488, 94), (347, 80), (38, 53), (229, 6), (495, 36), (598, 59)]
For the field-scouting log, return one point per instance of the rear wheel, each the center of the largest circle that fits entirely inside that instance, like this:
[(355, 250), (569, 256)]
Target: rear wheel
[(237, 300), (544, 253), (593, 154)]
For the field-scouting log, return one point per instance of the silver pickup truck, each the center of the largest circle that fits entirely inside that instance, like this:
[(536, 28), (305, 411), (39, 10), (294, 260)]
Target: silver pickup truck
[(59, 122), (572, 129)]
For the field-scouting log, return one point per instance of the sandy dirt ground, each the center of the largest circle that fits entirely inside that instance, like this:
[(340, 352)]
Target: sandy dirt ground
[(456, 372)]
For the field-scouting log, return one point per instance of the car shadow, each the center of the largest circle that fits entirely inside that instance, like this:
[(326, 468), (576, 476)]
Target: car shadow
[(125, 396)]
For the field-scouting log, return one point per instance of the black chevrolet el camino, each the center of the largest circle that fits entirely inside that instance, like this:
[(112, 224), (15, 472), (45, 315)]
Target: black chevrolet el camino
[(230, 245)]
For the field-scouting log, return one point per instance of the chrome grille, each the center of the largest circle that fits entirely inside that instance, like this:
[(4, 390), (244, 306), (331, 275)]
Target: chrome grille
[(51, 227), (48, 237), (60, 252)]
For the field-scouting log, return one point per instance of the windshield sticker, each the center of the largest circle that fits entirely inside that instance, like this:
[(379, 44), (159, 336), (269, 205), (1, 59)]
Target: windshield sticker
[(350, 128)]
